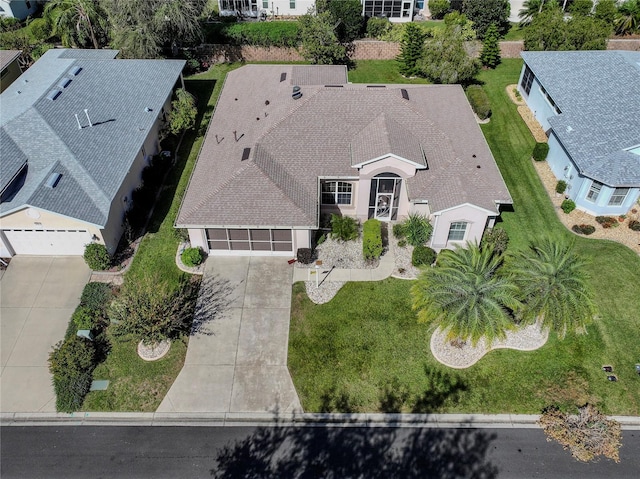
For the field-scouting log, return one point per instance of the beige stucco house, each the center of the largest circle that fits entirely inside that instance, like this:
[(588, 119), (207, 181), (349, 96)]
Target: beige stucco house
[(288, 144), (76, 130)]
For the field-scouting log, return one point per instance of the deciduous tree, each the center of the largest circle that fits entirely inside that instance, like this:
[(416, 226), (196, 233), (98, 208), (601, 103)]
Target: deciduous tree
[(183, 112), (485, 12), (320, 44), (550, 31), (446, 60), (78, 23)]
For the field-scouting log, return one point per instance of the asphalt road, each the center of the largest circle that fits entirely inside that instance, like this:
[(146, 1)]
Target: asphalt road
[(309, 452)]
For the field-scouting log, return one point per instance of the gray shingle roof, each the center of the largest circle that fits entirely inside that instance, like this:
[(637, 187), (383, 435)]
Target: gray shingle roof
[(597, 93), (93, 160), (294, 142)]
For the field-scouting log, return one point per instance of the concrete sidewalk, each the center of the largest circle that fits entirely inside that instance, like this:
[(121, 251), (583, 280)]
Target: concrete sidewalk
[(37, 297), (383, 271), (237, 362)]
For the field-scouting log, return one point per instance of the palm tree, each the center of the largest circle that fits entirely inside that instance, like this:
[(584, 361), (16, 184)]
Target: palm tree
[(628, 20), (530, 8), (553, 286), (78, 23), (464, 293)]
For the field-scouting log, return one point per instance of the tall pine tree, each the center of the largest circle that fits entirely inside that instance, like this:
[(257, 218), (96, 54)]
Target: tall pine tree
[(411, 49), (490, 55)]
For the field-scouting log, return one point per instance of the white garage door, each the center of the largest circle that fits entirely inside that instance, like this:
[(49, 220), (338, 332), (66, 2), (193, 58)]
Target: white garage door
[(48, 242)]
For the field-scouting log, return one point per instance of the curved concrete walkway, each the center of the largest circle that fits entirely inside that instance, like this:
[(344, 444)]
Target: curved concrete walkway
[(237, 356)]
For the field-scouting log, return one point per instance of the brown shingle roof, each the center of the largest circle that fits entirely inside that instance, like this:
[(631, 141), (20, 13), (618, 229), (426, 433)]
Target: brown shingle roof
[(294, 142)]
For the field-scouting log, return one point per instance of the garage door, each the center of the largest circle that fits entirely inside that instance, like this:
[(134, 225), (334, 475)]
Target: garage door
[(250, 241), (48, 242)]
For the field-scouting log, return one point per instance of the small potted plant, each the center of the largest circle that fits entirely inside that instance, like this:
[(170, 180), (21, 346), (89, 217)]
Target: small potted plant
[(621, 218)]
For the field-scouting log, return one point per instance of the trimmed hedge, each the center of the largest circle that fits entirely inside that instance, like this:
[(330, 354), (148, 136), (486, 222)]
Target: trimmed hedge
[(372, 239), (561, 186), (71, 363), (263, 34), (568, 206), (423, 256), (97, 257), (540, 151), (479, 101), (192, 257)]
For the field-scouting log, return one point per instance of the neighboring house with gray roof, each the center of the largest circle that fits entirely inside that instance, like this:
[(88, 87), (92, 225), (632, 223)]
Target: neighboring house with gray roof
[(76, 130), (9, 67), (275, 160), (19, 9), (589, 105)]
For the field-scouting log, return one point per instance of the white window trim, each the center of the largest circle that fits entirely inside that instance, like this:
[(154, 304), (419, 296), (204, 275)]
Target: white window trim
[(624, 197), (336, 193), (594, 183), (465, 231)]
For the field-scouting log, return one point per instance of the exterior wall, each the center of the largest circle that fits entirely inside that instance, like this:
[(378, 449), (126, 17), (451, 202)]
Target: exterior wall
[(17, 8), (386, 165), (476, 218), (198, 239), (537, 103), (420, 209), (278, 8), (601, 205), (301, 239), (9, 75)]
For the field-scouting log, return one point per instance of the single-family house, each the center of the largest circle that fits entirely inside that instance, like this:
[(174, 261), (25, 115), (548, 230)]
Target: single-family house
[(289, 144), (589, 106), (9, 67), (76, 130), (394, 10), (19, 9)]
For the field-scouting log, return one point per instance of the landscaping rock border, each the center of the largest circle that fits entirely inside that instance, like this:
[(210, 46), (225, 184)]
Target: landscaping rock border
[(155, 352), (528, 338), (325, 292)]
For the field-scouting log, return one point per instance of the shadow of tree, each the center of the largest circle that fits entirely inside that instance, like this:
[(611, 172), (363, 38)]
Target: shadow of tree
[(441, 387), (362, 452), (214, 298), (334, 401), (394, 396)]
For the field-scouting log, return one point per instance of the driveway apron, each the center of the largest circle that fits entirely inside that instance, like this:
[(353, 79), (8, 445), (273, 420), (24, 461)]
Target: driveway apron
[(37, 297), (237, 355)]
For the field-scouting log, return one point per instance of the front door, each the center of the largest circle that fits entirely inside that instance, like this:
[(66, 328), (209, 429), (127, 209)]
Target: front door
[(384, 196)]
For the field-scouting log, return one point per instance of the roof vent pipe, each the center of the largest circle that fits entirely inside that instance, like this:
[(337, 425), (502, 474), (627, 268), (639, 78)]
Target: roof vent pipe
[(79, 125)]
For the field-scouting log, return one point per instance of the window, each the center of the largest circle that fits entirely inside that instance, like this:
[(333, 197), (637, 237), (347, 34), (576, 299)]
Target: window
[(336, 193), (527, 79), (292, 4), (594, 191), (618, 196), (265, 3), (550, 100), (457, 231)]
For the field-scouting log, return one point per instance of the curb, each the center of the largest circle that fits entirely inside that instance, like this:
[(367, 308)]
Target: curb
[(502, 421)]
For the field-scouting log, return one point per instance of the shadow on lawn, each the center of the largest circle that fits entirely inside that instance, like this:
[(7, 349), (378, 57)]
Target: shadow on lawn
[(346, 452)]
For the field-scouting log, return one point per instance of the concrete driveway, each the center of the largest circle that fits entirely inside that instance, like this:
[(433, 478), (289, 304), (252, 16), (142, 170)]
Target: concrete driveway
[(237, 357), (37, 297)]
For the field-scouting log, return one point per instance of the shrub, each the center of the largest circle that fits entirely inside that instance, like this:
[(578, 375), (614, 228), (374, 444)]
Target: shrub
[(71, 363), (398, 230), (264, 34), (192, 257), (96, 296), (371, 239), (439, 8), (304, 255), (183, 112), (634, 225), (417, 229), (540, 151), (423, 256), (321, 239), (561, 186), (583, 229), (344, 228), (479, 101), (378, 27), (607, 221), (39, 30), (84, 318), (96, 256), (568, 206), (402, 243), (496, 238)]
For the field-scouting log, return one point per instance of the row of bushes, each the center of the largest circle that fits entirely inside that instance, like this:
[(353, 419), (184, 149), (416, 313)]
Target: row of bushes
[(264, 34), (372, 239), (479, 101), (73, 359)]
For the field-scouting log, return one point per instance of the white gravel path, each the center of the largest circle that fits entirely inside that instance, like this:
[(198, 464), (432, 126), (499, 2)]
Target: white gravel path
[(527, 338), (325, 292), (342, 254)]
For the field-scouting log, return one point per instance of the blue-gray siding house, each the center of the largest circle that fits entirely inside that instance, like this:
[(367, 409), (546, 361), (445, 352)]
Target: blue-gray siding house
[(588, 103)]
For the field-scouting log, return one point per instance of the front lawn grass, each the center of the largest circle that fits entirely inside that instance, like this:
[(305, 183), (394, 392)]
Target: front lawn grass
[(364, 351), (136, 385)]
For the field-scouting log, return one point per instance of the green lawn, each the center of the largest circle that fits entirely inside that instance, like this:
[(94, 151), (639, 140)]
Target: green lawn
[(136, 385), (379, 71), (364, 350)]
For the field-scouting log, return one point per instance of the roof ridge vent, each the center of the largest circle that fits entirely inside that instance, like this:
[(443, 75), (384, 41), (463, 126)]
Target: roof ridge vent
[(53, 180)]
